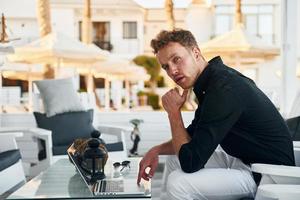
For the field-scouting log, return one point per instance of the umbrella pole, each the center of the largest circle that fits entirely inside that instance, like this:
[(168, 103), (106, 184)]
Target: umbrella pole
[(107, 97), (90, 81), (56, 69)]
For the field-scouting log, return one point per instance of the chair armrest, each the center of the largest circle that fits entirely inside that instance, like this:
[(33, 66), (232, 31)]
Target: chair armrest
[(278, 170), (45, 135), (8, 140), (38, 133), (123, 128), (296, 144), (297, 155), (116, 131), (277, 174)]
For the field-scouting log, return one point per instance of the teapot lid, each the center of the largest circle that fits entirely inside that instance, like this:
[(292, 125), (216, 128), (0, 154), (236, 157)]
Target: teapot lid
[(93, 151)]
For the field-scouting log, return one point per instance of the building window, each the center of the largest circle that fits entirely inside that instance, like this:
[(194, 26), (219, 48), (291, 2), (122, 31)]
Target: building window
[(101, 35), (258, 20), (129, 30), (223, 24), (80, 30)]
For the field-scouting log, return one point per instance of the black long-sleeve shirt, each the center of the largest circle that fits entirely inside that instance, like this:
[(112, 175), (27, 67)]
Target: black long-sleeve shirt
[(234, 113)]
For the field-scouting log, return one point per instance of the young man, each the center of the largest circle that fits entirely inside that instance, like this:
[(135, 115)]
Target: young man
[(232, 113)]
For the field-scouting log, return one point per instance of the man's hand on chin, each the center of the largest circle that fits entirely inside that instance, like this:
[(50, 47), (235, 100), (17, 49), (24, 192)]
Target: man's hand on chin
[(172, 101)]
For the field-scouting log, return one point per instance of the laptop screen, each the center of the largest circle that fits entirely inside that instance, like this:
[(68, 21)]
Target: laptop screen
[(114, 186)]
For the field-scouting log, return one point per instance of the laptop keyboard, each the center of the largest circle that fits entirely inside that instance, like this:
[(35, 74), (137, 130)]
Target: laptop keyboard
[(109, 186)]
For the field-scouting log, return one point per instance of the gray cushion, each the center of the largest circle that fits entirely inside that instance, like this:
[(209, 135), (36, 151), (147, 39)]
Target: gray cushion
[(294, 126), (8, 158), (59, 96), (60, 150), (66, 127), (116, 146)]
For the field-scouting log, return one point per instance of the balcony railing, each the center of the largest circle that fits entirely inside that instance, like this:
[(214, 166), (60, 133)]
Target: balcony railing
[(105, 45)]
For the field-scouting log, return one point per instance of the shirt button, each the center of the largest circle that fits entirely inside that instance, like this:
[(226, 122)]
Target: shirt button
[(203, 92)]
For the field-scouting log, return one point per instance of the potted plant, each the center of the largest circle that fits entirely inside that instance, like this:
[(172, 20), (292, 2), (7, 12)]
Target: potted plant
[(142, 98)]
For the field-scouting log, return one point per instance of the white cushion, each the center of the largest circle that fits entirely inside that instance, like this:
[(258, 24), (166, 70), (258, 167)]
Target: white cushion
[(59, 96)]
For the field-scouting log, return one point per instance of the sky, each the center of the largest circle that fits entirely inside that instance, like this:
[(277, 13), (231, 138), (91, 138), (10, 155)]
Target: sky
[(160, 3)]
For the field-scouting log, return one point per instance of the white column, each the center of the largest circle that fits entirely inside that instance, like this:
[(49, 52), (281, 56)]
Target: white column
[(90, 81), (289, 54), (87, 23), (127, 93), (118, 86), (57, 69)]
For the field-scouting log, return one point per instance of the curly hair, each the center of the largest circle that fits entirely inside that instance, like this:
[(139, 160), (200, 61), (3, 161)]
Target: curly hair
[(183, 37)]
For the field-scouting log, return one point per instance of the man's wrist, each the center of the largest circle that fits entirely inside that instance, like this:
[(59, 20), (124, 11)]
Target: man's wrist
[(156, 149), (176, 114)]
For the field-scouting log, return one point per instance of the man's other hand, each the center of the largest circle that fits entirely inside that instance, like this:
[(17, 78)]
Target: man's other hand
[(150, 160)]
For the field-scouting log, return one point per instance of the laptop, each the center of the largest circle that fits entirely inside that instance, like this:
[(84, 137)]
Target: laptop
[(110, 187)]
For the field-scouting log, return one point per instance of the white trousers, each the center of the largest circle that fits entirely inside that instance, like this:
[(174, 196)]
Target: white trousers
[(223, 178)]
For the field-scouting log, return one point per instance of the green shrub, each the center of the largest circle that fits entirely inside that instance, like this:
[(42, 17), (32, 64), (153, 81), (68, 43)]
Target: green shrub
[(81, 90), (153, 100), (161, 82), (152, 67), (141, 93)]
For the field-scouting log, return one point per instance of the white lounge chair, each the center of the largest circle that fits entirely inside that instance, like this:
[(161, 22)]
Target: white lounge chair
[(30, 146), (34, 141), (278, 181), (11, 170)]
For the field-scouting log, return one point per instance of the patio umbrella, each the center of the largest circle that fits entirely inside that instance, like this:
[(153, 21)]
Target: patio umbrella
[(121, 69), (22, 71), (59, 50), (128, 73), (137, 74), (239, 48), (109, 66)]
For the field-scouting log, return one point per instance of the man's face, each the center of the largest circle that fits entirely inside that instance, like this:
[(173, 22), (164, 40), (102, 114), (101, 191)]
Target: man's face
[(180, 64)]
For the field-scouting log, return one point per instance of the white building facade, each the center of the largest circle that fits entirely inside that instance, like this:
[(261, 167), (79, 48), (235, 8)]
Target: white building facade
[(118, 26)]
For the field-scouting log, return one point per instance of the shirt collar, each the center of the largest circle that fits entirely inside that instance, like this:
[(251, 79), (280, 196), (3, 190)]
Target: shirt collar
[(202, 81)]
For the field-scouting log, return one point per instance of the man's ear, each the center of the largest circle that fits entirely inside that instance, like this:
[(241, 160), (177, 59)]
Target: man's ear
[(197, 52)]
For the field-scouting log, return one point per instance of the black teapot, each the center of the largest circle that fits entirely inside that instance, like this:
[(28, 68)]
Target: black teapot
[(91, 156), (94, 160)]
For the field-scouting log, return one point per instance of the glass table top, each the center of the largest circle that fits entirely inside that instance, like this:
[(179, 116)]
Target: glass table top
[(61, 180)]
